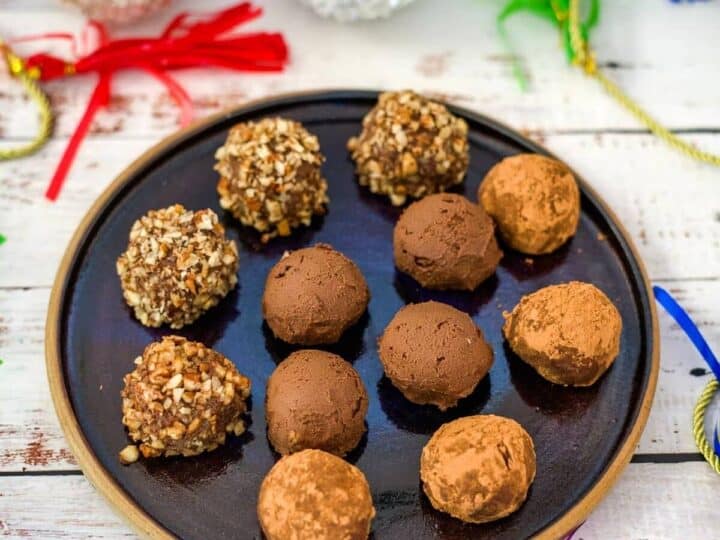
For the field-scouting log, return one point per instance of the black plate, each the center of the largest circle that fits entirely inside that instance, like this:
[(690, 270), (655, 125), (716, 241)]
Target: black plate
[(578, 433)]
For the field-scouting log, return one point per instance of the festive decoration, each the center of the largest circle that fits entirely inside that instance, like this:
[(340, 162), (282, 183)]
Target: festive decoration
[(565, 14), (206, 42), (354, 10), (553, 11), (16, 68), (118, 11), (710, 452)]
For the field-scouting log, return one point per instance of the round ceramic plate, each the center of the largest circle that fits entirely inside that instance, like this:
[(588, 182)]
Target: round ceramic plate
[(583, 437)]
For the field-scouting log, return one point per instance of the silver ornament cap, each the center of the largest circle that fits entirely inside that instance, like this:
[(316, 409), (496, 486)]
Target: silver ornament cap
[(118, 11), (355, 10)]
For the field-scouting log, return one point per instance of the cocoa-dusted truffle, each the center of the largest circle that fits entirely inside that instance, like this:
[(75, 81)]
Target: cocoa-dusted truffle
[(270, 176), (534, 200), (177, 265), (446, 242), (313, 295), (434, 353), (315, 495), (315, 399), (478, 468), (410, 146), (181, 399), (569, 333)]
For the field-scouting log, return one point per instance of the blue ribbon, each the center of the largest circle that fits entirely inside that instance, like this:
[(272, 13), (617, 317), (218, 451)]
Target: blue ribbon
[(693, 332)]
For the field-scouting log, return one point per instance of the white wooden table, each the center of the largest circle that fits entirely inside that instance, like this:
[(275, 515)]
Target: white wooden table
[(665, 55)]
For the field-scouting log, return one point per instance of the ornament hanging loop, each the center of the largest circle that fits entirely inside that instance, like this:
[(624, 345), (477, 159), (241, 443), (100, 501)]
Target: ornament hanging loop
[(585, 58), (582, 55), (701, 440), (28, 78)]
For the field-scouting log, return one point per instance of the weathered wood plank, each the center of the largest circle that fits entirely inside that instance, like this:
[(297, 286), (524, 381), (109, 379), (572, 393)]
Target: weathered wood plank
[(37, 230), (56, 507), (655, 192), (658, 501), (460, 56), (635, 507), (683, 373), (30, 437)]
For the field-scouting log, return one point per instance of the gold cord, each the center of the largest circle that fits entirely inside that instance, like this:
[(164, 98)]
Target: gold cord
[(585, 57), (701, 441), (17, 69)]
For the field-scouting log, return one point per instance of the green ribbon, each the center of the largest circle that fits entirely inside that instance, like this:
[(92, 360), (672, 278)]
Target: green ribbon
[(554, 11)]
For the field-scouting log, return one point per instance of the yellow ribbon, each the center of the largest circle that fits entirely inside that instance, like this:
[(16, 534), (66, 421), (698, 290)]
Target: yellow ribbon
[(585, 58), (17, 69)]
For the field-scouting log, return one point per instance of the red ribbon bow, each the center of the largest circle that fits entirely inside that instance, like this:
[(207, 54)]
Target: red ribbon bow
[(206, 42)]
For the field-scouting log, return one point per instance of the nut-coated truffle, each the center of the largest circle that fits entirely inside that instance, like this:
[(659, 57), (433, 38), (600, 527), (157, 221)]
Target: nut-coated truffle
[(534, 200), (569, 333), (177, 265), (270, 176), (315, 495), (478, 468), (410, 146), (315, 399), (446, 242), (434, 354), (181, 399), (313, 295)]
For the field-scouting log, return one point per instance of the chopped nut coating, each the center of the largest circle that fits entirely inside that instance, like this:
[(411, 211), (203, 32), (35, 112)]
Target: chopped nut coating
[(410, 147), (129, 454), (270, 176), (181, 399), (177, 265)]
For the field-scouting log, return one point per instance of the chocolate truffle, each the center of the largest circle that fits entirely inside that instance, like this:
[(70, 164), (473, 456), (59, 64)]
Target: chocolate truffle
[(270, 176), (410, 146), (181, 399), (446, 242), (315, 495), (478, 468), (177, 265), (313, 295), (569, 333), (434, 353), (534, 200), (315, 399)]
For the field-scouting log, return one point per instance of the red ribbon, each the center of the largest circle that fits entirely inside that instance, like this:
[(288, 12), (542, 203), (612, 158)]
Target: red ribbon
[(183, 44), (98, 99)]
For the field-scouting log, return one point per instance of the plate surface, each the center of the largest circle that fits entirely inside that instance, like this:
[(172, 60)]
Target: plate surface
[(583, 437)]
